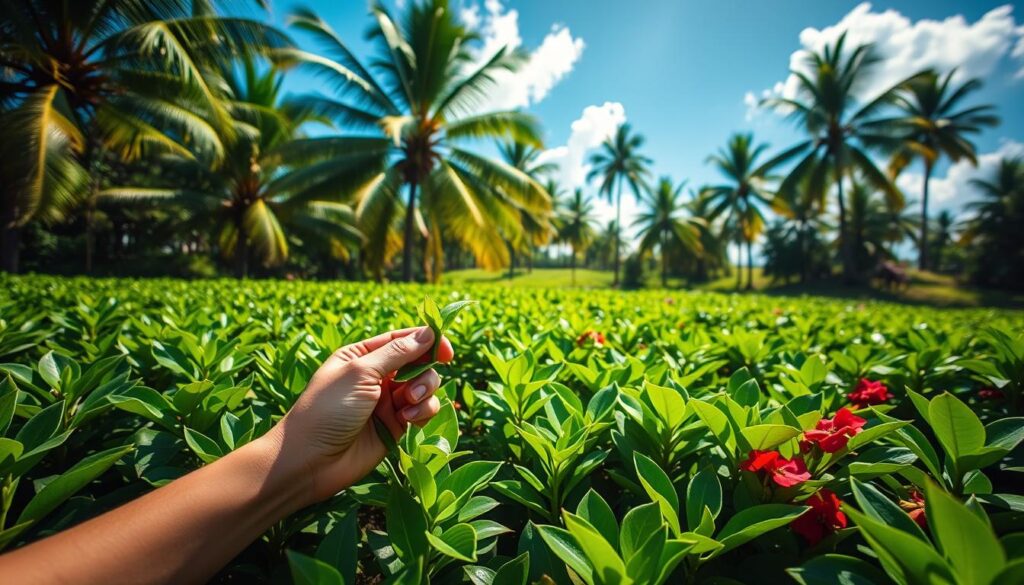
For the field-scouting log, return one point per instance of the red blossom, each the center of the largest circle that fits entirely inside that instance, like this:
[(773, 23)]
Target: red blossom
[(869, 392), (914, 507), (595, 338), (832, 434), (784, 472), (991, 394), (822, 519)]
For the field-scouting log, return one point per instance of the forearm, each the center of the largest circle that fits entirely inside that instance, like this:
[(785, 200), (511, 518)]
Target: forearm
[(182, 532)]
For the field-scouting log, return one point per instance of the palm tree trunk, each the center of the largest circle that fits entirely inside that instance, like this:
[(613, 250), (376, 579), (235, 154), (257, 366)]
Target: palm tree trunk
[(511, 261), (9, 238), (410, 233), (618, 232), (241, 250), (750, 265), (572, 265), (845, 245), (922, 258)]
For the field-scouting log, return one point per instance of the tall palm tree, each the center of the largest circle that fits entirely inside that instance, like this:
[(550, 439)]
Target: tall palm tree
[(411, 114), (537, 228), (875, 225), (664, 223), (619, 161), (935, 127), (805, 210), (713, 237), (995, 228), (255, 200), (841, 129), (744, 198), (83, 78), (576, 228)]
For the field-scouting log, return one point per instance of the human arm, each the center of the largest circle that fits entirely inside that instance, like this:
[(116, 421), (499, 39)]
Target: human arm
[(186, 530)]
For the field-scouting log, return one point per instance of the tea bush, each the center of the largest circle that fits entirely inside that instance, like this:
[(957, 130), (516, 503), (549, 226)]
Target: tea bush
[(586, 436)]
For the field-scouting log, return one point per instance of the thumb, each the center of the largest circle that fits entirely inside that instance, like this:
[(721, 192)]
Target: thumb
[(399, 351)]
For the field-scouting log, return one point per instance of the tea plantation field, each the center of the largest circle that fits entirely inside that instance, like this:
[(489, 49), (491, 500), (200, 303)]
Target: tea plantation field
[(589, 437)]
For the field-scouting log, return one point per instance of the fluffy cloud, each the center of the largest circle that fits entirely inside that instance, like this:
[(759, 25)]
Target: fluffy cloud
[(596, 124), (545, 66), (954, 190), (908, 47)]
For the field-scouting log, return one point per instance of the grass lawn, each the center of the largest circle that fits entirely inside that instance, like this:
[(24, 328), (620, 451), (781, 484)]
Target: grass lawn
[(925, 288)]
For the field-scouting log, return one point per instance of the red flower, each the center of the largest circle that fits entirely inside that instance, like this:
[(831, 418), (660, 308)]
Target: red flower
[(822, 519), (990, 394), (914, 507), (784, 472), (594, 338), (869, 392), (831, 434)]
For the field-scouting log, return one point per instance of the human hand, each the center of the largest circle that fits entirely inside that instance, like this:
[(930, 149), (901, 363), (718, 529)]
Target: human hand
[(328, 436)]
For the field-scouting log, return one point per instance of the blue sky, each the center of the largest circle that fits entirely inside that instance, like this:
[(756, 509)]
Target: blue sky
[(680, 72)]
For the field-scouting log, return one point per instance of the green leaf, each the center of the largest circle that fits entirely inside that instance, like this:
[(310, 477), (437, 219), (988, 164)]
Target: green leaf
[(912, 560), (8, 400), (458, 542), (340, 546), (829, 569), (595, 510), (752, 522), (514, 572), (956, 426), (206, 448), (69, 482), (41, 427), (406, 524), (659, 487), (966, 540), (565, 546), (766, 437), (309, 571), (637, 526), (608, 567), (873, 503), (703, 491)]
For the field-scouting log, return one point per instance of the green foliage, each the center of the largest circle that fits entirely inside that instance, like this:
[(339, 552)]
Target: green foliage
[(589, 437)]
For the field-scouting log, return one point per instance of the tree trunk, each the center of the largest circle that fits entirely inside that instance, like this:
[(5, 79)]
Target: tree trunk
[(750, 265), (618, 232), (511, 261), (10, 234), (739, 264), (90, 236), (845, 247), (572, 265), (241, 251), (410, 233), (922, 258), (664, 263)]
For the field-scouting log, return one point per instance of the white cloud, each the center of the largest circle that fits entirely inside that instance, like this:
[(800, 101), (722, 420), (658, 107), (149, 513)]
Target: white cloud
[(545, 66), (594, 126), (908, 47), (954, 190)]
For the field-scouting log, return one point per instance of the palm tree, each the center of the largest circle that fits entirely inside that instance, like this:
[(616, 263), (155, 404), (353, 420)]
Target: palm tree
[(996, 225), (935, 128), (537, 229), (713, 237), (840, 129), (253, 197), (741, 199), (805, 210), (411, 118), (943, 238), (576, 228), (87, 77), (665, 224), (875, 225), (618, 161)]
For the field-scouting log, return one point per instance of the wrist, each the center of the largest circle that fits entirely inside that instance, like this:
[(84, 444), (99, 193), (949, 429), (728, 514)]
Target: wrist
[(287, 483)]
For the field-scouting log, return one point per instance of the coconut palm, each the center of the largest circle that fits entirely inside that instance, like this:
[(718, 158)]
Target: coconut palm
[(935, 128), (86, 77), (619, 161), (841, 129), (664, 223), (875, 225), (576, 228), (536, 228), (254, 202), (411, 116), (995, 228), (742, 200)]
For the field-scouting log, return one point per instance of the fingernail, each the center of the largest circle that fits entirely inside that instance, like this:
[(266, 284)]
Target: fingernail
[(418, 392), (425, 334), (410, 413)]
